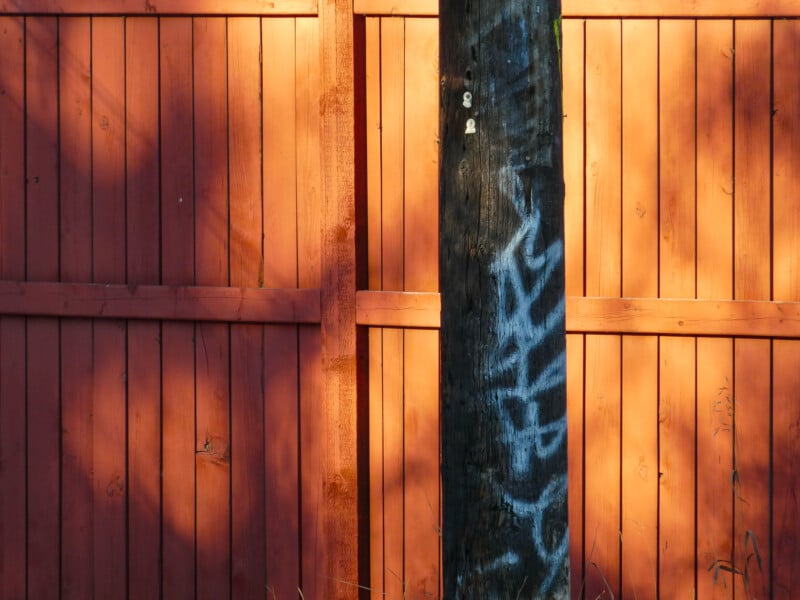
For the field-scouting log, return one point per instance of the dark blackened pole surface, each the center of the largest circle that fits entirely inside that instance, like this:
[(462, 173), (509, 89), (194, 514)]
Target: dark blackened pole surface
[(502, 281)]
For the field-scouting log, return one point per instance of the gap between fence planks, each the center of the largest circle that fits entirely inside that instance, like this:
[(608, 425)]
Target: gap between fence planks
[(159, 7), (179, 303)]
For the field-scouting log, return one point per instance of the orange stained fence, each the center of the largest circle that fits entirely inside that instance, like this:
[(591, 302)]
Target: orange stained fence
[(682, 166), (188, 206), (164, 400)]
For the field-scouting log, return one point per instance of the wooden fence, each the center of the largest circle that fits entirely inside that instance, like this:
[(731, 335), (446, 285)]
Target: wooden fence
[(682, 172), (188, 208), (172, 221)]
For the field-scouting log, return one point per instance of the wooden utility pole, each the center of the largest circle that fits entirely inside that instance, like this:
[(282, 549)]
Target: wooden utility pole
[(502, 281)]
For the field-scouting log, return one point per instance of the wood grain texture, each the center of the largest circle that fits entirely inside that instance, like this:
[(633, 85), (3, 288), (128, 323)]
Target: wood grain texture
[(76, 335), (179, 480), (786, 286), (376, 465), (308, 128), (397, 8), (495, 184), (374, 117), (421, 515), (282, 458), (109, 486), (393, 168), (144, 459), (684, 317), (639, 411), (398, 309), (373, 88), (573, 66), (205, 39), (212, 351), (676, 163), (159, 7), (676, 279), (41, 249), (752, 280), (281, 370), (680, 8), (602, 415), (279, 153), (312, 430), (178, 448), (714, 280), (394, 479), (577, 9), (676, 414), (246, 268), (337, 555), (420, 156), (143, 344), (169, 302), (13, 491), (393, 154)]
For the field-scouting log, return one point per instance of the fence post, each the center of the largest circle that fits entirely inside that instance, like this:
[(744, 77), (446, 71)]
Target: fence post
[(337, 551)]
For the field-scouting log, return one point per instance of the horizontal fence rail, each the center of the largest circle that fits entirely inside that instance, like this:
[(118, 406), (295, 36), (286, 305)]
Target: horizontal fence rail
[(173, 303), (158, 7), (398, 309), (697, 9)]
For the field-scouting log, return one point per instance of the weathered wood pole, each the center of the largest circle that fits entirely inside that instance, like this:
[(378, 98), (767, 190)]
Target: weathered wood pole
[(502, 280)]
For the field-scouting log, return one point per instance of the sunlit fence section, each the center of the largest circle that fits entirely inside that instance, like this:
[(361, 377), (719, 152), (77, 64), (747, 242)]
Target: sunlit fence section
[(681, 154)]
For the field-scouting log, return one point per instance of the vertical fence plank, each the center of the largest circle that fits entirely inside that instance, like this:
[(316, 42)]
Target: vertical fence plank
[(109, 260), (309, 222), (143, 258), (639, 279), (375, 277), (574, 171), (308, 123), (247, 269), (714, 280), (312, 430), (752, 281), (421, 347), (178, 473), (420, 156), (376, 473), (280, 270), (212, 366), (279, 139), (786, 286), (183, 506), (603, 246), (76, 334), (41, 243), (281, 426), (392, 191), (677, 280), (144, 461), (13, 491)]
